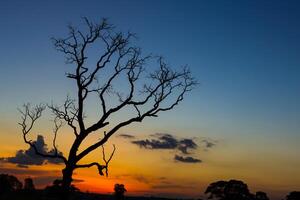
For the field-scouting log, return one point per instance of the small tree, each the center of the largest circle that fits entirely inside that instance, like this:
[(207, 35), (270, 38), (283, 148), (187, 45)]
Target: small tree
[(119, 191), (28, 184), (144, 91)]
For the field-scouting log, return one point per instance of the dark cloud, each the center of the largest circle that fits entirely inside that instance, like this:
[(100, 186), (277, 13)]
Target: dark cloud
[(166, 141), (187, 159), (181, 146), (186, 144), (24, 158), (54, 161), (22, 166), (126, 136)]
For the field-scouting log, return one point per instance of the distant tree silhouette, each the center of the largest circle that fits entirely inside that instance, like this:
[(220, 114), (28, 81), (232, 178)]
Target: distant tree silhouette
[(9, 183), (119, 191), (28, 184), (56, 187), (295, 195), (261, 196), (121, 78), (229, 190)]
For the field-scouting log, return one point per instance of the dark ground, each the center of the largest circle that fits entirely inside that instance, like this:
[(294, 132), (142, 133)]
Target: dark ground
[(42, 195)]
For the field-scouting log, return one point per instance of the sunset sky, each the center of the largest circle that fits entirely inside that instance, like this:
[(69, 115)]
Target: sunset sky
[(244, 116)]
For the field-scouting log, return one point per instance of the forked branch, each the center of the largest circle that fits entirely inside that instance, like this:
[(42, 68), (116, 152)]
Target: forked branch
[(98, 165), (28, 118)]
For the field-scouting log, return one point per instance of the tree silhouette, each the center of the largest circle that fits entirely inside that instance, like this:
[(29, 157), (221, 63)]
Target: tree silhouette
[(28, 184), (295, 195), (9, 183), (121, 78), (56, 188), (228, 190), (119, 191), (261, 196)]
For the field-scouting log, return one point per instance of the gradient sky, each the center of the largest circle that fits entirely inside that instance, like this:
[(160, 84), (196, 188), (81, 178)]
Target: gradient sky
[(245, 55)]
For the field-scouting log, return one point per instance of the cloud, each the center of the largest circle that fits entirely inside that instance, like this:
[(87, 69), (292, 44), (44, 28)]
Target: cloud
[(24, 158), (164, 183), (22, 166), (126, 136), (187, 159), (138, 177), (186, 144), (208, 143), (180, 146), (167, 141)]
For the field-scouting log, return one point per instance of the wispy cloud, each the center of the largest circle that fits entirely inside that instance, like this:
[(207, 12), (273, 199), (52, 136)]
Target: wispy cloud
[(138, 177), (126, 136), (208, 143), (187, 159)]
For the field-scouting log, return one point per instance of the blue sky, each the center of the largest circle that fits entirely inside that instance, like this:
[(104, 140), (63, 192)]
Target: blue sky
[(244, 54)]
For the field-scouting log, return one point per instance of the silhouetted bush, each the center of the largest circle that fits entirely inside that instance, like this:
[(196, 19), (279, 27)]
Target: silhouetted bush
[(229, 190), (119, 191), (295, 195), (56, 189), (261, 196), (9, 183), (28, 184), (233, 190)]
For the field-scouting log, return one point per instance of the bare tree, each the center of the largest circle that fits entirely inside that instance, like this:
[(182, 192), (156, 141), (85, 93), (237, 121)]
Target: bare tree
[(150, 91)]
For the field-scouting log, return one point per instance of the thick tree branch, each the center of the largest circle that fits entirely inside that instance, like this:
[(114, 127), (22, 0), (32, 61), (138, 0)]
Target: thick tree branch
[(99, 166)]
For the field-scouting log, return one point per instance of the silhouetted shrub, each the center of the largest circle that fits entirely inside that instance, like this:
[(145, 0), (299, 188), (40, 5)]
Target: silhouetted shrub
[(56, 188), (261, 196), (9, 183), (295, 195), (229, 190), (119, 191), (28, 184)]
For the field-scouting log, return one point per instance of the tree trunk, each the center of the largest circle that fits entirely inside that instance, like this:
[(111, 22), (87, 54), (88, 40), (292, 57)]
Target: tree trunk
[(66, 182)]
